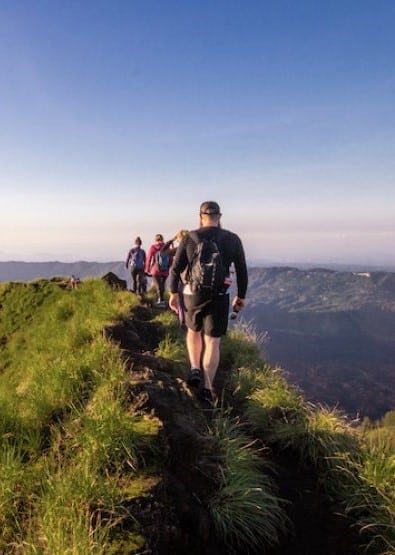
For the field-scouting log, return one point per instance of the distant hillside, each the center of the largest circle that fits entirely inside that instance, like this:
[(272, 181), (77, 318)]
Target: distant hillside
[(333, 331), (26, 271)]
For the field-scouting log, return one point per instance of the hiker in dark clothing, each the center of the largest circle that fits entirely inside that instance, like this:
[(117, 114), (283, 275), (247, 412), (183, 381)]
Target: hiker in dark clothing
[(135, 260), (170, 248), (207, 317)]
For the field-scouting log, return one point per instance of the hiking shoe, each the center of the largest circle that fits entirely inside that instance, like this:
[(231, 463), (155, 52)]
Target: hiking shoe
[(206, 395), (194, 377)]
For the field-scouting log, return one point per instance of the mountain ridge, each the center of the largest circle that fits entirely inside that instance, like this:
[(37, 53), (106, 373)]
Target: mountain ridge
[(17, 270)]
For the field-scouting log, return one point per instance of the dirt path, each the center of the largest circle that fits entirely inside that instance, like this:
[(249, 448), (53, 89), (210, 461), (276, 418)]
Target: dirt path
[(174, 518)]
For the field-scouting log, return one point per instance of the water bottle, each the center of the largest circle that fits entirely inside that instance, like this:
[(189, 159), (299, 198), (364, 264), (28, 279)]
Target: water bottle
[(236, 309), (233, 315)]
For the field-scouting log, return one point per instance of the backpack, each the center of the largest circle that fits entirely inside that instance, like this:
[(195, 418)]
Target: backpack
[(162, 261), (206, 272), (137, 260)]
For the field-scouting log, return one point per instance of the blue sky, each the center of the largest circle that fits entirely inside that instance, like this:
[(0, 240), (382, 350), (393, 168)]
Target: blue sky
[(119, 118)]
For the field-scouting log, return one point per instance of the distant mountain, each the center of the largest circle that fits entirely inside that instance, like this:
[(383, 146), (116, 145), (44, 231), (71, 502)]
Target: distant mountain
[(26, 271), (334, 332)]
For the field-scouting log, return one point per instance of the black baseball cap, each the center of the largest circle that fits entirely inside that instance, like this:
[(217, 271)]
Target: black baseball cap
[(210, 208)]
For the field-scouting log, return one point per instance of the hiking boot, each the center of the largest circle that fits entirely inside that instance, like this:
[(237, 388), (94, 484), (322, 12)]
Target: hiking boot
[(206, 395), (194, 377)]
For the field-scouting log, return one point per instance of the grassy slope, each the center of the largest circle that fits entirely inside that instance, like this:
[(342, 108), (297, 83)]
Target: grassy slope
[(75, 454), (70, 448)]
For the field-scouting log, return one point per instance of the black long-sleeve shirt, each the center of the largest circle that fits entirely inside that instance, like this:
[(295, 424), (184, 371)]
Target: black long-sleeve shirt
[(230, 247)]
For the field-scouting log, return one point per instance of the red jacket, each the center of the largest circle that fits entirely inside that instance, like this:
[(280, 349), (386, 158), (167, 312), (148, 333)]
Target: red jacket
[(151, 267)]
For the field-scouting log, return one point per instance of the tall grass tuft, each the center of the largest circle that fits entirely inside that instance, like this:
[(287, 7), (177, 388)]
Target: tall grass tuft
[(241, 346), (245, 510), (75, 512), (368, 497), (275, 408), (172, 349), (11, 493)]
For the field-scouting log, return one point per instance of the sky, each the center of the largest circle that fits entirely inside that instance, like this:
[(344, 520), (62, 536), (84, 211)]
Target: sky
[(118, 118)]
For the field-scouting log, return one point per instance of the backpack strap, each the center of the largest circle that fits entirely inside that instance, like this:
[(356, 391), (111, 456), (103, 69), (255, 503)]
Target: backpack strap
[(194, 236)]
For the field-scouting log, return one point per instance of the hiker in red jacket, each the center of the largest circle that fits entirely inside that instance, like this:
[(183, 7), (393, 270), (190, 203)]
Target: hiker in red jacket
[(157, 265)]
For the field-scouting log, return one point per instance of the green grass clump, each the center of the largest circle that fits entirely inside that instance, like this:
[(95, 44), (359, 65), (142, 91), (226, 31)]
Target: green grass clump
[(172, 349), (241, 346), (368, 497), (381, 433), (245, 509), (11, 491), (274, 406), (248, 379)]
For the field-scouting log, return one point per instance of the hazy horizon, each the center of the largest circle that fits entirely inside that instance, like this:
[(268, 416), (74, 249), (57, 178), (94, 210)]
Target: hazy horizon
[(264, 263)]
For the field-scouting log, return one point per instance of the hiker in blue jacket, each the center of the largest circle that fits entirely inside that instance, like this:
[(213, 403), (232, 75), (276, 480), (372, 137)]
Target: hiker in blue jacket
[(135, 261)]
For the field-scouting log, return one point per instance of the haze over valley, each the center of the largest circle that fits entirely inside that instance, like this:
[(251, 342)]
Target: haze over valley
[(334, 333)]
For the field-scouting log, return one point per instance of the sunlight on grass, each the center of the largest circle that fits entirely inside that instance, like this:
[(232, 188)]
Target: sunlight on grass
[(369, 497), (241, 346), (245, 509), (62, 388), (172, 350), (274, 403), (11, 493), (250, 378)]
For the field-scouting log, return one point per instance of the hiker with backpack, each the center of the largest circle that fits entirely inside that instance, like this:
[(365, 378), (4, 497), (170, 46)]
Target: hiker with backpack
[(206, 255), (170, 248), (157, 266), (135, 261)]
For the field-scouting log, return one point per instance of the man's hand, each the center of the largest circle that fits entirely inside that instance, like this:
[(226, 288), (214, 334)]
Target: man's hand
[(174, 302), (238, 304)]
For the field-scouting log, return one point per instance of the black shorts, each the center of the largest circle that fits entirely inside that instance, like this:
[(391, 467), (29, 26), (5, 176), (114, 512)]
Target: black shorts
[(210, 315)]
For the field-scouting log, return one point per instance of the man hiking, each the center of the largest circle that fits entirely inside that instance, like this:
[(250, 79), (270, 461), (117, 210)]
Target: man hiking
[(207, 254)]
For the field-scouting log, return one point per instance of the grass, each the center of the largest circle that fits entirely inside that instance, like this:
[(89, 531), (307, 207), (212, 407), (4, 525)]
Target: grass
[(68, 442), (368, 497), (245, 509), (273, 406), (241, 346), (172, 349), (357, 476)]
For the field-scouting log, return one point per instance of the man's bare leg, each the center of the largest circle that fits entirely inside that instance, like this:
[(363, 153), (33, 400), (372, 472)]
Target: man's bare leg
[(210, 360), (195, 347)]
